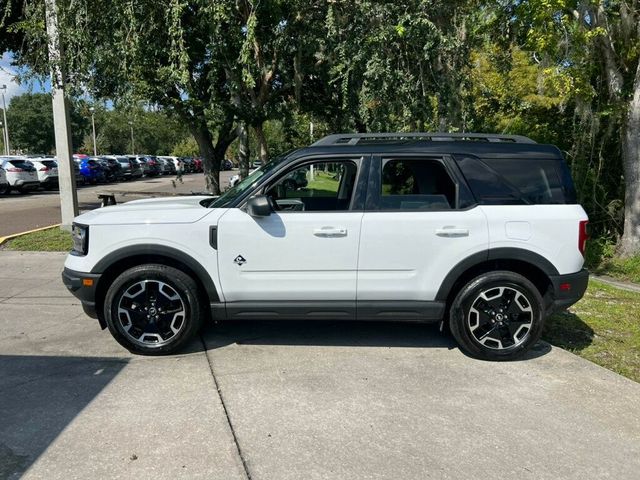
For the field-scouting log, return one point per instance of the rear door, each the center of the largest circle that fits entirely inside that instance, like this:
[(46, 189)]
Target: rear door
[(419, 222)]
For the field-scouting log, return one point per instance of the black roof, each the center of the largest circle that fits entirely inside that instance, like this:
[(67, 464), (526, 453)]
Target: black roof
[(479, 145)]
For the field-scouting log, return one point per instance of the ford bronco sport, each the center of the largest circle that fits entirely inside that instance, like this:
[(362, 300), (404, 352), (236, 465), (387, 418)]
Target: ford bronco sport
[(479, 232)]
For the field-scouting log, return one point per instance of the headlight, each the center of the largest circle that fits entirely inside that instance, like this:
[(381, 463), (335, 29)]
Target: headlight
[(80, 236)]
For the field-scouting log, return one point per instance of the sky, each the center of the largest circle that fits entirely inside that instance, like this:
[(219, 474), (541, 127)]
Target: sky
[(7, 77)]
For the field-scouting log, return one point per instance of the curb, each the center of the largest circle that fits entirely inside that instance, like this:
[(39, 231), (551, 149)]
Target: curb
[(5, 239)]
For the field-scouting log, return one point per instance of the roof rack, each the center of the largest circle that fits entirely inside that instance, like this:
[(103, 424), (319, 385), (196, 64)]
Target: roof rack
[(355, 138)]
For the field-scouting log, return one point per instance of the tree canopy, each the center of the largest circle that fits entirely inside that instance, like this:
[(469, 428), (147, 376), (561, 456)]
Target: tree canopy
[(560, 71)]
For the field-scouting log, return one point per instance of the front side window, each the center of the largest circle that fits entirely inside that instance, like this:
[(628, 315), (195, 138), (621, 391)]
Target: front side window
[(318, 186), (416, 185)]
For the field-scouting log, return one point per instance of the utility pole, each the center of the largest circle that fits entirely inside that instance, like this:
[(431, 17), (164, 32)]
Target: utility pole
[(5, 130), (133, 148), (61, 122), (93, 125), (4, 139)]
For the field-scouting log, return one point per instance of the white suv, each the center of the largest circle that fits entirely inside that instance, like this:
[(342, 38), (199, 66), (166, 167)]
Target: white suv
[(21, 174), (4, 183), (481, 232)]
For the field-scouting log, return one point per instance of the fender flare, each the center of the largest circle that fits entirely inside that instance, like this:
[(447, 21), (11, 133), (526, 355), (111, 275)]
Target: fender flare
[(505, 253), (160, 250)]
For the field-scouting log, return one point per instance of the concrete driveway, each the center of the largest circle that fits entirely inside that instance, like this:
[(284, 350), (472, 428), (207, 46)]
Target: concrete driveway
[(319, 400)]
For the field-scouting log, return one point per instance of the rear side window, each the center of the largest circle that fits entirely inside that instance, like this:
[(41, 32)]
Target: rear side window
[(49, 163), (23, 164), (518, 181), (416, 185)]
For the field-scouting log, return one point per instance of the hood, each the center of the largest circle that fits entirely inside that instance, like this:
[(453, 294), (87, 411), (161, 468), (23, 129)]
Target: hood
[(185, 209)]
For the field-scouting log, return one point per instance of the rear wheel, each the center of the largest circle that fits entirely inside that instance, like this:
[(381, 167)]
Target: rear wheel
[(153, 309), (5, 188), (497, 316)]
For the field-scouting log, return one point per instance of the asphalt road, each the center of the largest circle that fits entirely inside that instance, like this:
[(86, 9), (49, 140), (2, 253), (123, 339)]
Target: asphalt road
[(308, 400), (19, 213)]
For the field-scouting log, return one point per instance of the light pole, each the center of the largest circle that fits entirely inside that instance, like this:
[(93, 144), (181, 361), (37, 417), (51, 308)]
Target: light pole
[(133, 149), (6, 125), (93, 126)]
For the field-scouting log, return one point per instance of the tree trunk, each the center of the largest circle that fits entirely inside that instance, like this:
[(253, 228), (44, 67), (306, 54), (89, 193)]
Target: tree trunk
[(630, 242), (262, 143), (210, 163), (243, 148)]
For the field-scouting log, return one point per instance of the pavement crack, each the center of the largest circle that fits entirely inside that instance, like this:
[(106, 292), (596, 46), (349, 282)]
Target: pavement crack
[(245, 466)]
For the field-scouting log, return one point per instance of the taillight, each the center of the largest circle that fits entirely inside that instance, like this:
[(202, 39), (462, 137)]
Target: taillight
[(583, 236), (44, 169), (15, 170)]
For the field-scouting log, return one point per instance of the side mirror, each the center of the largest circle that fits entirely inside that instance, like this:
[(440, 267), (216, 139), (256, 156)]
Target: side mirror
[(259, 206)]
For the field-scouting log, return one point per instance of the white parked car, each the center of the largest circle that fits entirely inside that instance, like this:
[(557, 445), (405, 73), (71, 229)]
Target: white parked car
[(481, 232), (4, 184), (235, 179), (47, 170), (21, 174)]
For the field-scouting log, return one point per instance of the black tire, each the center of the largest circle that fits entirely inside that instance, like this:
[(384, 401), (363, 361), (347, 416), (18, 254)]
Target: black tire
[(507, 329), (187, 325), (5, 189)]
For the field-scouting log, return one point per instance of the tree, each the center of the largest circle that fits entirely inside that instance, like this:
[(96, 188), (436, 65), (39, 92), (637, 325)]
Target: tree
[(595, 44), (30, 117)]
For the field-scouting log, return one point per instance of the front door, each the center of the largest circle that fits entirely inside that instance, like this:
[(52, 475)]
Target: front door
[(306, 251)]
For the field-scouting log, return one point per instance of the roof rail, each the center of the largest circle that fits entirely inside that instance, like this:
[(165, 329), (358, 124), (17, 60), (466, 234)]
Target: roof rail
[(355, 138)]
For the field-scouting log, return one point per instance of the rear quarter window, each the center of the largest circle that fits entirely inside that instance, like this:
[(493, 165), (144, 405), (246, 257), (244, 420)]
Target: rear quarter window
[(518, 181)]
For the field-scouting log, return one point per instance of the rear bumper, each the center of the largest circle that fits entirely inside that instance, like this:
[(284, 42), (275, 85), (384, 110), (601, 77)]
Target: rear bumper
[(78, 284), (568, 289), (26, 184)]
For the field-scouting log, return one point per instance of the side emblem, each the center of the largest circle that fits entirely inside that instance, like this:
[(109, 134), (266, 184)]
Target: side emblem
[(239, 260)]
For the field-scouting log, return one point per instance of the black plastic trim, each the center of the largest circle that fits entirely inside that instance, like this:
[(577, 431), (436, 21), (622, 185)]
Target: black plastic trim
[(291, 310), (406, 310), (386, 310), (87, 295), (493, 254), (162, 251), (565, 298), (213, 236)]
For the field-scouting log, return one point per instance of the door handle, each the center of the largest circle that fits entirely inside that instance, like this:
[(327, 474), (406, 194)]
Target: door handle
[(452, 232), (329, 232)]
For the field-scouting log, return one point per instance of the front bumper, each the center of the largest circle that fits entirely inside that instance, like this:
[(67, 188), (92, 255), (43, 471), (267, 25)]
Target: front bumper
[(84, 287), (568, 289)]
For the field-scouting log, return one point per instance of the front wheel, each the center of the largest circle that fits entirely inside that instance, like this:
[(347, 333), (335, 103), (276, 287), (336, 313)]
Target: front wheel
[(497, 316), (153, 309)]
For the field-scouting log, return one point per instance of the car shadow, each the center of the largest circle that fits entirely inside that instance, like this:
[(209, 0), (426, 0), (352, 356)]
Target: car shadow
[(39, 397), (567, 330), (336, 333), (326, 333)]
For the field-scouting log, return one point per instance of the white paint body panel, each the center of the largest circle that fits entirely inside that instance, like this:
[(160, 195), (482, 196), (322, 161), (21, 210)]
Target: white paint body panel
[(553, 231), (191, 238), (285, 259), (402, 256)]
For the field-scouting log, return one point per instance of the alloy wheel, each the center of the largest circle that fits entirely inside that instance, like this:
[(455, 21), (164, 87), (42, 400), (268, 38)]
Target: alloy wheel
[(151, 313), (500, 318)]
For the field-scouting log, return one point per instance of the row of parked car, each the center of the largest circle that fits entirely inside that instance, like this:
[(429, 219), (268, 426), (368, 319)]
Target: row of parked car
[(26, 173)]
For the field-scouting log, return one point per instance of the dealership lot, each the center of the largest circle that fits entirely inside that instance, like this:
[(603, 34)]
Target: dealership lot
[(291, 400), (19, 213)]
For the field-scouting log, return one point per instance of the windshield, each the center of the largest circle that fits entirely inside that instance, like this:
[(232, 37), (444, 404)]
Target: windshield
[(247, 184)]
